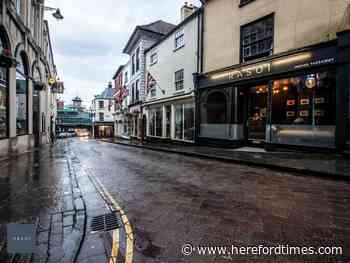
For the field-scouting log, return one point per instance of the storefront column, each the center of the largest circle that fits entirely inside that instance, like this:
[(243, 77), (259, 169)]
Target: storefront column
[(30, 107), (343, 87), (12, 102)]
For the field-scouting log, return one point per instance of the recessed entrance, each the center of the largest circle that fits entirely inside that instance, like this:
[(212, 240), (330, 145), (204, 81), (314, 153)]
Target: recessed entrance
[(256, 113)]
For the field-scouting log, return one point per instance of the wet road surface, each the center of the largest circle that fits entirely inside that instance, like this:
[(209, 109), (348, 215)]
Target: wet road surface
[(172, 200), (164, 201)]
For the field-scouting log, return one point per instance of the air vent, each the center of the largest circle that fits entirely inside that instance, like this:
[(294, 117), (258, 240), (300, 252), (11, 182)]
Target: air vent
[(104, 223)]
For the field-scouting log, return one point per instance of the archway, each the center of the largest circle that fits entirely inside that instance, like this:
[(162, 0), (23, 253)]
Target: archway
[(22, 76), (4, 86)]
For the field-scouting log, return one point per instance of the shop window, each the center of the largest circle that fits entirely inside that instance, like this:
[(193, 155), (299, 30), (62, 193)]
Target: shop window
[(179, 122), (168, 120), (305, 100), (216, 108), (156, 122), (188, 122), (179, 80), (4, 89), (257, 39), (21, 97)]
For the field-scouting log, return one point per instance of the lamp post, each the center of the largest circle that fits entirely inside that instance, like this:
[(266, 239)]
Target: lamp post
[(57, 14)]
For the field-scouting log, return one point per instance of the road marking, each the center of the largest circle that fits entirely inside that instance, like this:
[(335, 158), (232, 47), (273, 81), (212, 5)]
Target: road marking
[(128, 229)]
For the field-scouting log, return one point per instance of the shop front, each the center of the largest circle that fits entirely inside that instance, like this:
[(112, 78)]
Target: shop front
[(299, 98), (171, 120), (103, 129)]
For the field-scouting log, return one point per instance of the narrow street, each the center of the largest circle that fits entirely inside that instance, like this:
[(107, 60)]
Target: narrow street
[(164, 201)]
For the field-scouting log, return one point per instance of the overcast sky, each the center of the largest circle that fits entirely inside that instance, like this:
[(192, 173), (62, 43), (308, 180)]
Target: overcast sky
[(88, 43)]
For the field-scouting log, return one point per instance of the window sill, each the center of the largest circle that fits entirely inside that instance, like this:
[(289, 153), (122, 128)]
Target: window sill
[(176, 49), (178, 92)]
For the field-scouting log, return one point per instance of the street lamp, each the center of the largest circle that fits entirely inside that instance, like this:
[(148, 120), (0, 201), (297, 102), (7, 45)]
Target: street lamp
[(57, 14)]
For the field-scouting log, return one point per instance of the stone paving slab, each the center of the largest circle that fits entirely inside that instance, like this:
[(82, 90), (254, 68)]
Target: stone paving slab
[(333, 166)]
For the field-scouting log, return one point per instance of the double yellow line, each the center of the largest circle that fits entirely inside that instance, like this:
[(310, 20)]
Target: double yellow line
[(115, 235)]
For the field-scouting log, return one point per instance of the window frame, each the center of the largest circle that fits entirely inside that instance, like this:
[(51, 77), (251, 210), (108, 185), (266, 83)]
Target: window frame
[(178, 81), (241, 42), (101, 102), (152, 60), (137, 62), (178, 35)]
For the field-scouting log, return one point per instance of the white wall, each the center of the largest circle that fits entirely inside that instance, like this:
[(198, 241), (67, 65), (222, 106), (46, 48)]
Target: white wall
[(170, 61)]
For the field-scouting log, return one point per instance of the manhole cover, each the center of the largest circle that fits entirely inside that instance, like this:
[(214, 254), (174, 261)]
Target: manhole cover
[(104, 223)]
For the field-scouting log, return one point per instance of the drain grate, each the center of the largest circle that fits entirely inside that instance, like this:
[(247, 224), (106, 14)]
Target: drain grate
[(104, 223)]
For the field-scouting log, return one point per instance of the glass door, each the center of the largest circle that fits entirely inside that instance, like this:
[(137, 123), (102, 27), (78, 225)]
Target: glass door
[(257, 113)]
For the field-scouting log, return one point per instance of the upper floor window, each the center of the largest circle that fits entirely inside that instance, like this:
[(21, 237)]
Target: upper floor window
[(101, 116), (179, 39), (179, 79), (154, 58), (101, 104), (126, 79), (18, 6), (137, 59), (133, 64), (257, 39), (137, 95)]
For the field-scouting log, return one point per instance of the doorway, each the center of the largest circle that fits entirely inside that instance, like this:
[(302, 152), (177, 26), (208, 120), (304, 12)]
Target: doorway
[(36, 118), (257, 98)]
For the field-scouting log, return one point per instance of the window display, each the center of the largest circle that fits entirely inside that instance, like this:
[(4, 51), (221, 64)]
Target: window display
[(179, 122), (21, 97), (307, 100), (3, 103), (188, 122)]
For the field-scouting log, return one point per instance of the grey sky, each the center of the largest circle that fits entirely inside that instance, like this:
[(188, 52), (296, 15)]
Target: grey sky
[(88, 43)]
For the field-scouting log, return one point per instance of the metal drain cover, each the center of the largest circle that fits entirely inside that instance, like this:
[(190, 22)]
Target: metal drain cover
[(104, 223)]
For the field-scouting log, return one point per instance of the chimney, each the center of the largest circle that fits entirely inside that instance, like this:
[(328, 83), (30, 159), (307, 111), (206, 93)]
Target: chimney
[(187, 10), (110, 85)]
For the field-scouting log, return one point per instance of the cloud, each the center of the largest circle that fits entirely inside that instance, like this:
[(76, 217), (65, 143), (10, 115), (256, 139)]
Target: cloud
[(88, 43)]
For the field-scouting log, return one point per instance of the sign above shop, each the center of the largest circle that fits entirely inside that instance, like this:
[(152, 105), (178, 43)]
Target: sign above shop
[(276, 65)]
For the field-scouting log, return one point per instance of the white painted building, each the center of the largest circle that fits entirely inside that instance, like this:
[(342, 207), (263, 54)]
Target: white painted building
[(170, 64), (142, 38), (102, 113)]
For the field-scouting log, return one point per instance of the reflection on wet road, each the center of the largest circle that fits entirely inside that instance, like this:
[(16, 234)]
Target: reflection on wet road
[(172, 200)]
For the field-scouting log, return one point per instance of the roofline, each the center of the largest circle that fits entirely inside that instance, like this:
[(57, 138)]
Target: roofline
[(185, 21), (134, 33), (118, 71)]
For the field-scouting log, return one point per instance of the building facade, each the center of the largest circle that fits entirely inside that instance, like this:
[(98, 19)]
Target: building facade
[(27, 100), (74, 119), (122, 118), (169, 95), (142, 38), (102, 113), (276, 73)]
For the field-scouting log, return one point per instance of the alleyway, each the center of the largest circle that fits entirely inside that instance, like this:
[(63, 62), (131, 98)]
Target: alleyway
[(166, 201)]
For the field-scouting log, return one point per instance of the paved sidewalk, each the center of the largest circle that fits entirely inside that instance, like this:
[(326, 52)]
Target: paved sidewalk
[(328, 165)]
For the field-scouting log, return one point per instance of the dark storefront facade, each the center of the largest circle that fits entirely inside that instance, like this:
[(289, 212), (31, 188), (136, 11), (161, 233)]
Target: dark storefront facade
[(298, 98)]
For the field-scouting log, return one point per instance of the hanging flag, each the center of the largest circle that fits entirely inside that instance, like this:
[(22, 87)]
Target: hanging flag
[(150, 82)]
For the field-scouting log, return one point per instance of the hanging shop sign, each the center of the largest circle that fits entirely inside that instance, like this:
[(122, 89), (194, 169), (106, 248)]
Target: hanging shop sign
[(276, 65)]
